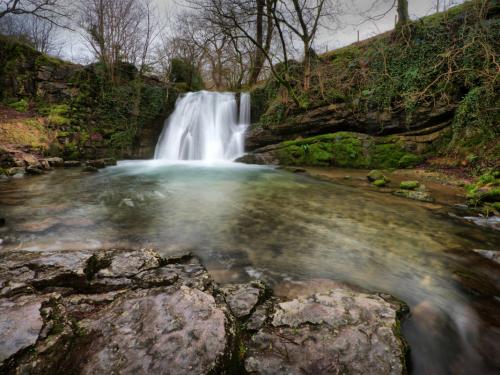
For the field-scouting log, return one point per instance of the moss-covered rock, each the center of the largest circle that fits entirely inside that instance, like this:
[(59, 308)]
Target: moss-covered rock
[(377, 175), (409, 185), (346, 149), (379, 183)]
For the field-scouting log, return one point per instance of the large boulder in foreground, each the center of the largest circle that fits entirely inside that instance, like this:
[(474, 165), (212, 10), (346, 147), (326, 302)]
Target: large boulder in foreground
[(132, 311), (342, 331)]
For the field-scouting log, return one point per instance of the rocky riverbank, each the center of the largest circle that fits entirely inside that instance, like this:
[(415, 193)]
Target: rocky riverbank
[(15, 162), (131, 311)]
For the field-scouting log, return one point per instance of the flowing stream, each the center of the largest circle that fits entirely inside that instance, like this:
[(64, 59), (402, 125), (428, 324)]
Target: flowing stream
[(250, 221)]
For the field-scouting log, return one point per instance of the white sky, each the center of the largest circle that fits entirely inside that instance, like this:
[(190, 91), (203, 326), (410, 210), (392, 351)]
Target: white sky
[(339, 35)]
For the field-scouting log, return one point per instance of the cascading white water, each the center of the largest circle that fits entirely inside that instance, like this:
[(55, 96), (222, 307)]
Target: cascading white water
[(205, 126)]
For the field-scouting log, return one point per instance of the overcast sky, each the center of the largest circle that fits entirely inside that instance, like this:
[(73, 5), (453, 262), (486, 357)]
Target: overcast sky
[(335, 37)]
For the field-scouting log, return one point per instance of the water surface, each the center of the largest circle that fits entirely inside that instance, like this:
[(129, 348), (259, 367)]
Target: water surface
[(249, 221)]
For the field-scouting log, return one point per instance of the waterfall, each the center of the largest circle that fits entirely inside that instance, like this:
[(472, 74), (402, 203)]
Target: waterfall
[(205, 126)]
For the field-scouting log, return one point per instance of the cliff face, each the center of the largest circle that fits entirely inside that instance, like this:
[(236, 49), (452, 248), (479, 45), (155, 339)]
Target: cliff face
[(432, 87), (427, 124), (79, 113)]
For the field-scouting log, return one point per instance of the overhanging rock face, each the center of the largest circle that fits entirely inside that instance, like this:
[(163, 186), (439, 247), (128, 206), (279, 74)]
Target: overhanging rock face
[(131, 311)]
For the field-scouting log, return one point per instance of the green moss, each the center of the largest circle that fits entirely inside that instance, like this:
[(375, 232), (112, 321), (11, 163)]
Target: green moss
[(344, 149), (409, 185), (409, 160), (379, 183)]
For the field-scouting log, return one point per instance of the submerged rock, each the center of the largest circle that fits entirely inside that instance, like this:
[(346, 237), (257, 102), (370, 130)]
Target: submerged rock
[(72, 164), (55, 162), (422, 196), (376, 175), (131, 311)]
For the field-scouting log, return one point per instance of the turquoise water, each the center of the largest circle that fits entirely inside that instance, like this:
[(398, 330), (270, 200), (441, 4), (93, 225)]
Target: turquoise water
[(249, 221)]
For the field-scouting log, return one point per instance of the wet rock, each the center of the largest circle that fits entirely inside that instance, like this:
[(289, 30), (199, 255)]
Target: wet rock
[(329, 333), (294, 169), (109, 161), (24, 271), (377, 175), (422, 196), (34, 170), (15, 171), (489, 254), (177, 331), (89, 169), (55, 162), (379, 183), (98, 164), (260, 315), (409, 185), (20, 324), (44, 164), (243, 298), (131, 311), (72, 164), (164, 319)]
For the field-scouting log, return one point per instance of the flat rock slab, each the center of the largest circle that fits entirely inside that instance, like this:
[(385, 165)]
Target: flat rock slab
[(133, 312), (112, 311), (157, 331), (330, 333), (20, 324), (243, 298)]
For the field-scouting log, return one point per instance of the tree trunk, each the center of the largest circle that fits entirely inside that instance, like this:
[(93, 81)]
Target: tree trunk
[(403, 14), (258, 60), (307, 67)]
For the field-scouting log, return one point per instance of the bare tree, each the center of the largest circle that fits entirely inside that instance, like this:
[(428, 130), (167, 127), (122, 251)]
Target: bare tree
[(119, 30), (53, 11), (38, 32), (303, 18)]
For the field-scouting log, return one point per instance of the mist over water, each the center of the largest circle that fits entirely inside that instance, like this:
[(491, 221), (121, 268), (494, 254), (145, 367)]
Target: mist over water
[(205, 126)]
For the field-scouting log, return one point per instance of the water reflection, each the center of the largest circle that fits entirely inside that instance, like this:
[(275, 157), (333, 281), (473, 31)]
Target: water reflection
[(248, 221)]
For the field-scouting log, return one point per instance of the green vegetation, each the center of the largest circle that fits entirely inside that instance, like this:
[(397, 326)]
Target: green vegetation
[(409, 185), (485, 193), (379, 183), (20, 105), (445, 59), (344, 149)]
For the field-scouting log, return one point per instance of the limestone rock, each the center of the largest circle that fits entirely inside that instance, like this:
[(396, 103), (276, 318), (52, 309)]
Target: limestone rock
[(329, 333), (55, 162), (72, 164), (489, 254), (243, 298), (422, 196), (20, 324)]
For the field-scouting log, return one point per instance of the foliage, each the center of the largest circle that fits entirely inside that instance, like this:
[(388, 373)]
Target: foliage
[(20, 105), (344, 149), (486, 190), (183, 71), (447, 58)]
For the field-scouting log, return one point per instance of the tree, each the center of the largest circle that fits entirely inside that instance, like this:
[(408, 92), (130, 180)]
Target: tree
[(303, 19), (403, 14), (119, 31), (53, 11)]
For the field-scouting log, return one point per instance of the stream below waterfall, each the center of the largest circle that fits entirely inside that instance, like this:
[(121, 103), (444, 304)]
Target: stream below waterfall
[(249, 222)]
